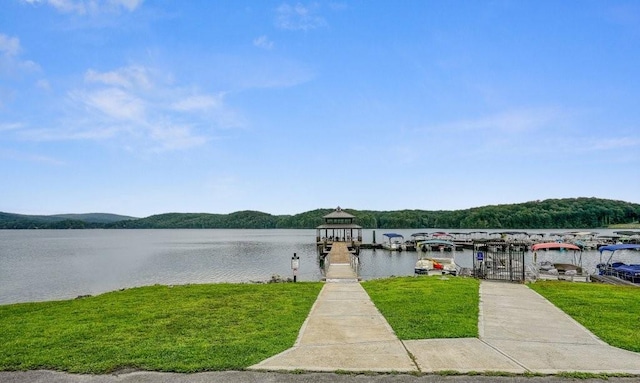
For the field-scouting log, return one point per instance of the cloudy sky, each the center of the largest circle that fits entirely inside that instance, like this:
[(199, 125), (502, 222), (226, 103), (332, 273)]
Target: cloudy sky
[(141, 107)]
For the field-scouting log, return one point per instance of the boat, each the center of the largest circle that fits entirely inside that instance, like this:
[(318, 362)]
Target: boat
[(586, 240), (442, 235), (628, 236), (411, 243), (393, 242), (431, 264), (569, 270), (621, 270)]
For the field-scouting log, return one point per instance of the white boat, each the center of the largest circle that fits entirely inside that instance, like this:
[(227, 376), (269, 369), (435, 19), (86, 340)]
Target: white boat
[(436, 262), (393, 242), (571, 267)]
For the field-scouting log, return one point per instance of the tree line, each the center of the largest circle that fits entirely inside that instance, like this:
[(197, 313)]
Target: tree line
[(567, 213)]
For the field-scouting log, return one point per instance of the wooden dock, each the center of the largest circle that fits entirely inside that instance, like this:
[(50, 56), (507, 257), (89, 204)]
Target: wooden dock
[(339, 264)]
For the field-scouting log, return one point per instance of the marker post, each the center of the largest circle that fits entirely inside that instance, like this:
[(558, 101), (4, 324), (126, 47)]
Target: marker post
[(295, 264)]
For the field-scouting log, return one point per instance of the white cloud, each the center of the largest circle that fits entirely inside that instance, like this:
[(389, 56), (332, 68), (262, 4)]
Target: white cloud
[(72, 133), (83, 7), (10, 60), (43, 84), (113, 103), (511, 121), (127, 77), (5, 95), (299, 17), (612, 143), (174, 137), (28, 157), (263, 42), (138, 108), (9, 46), (523, 132), (130, 5), (11, 126), (197, 102)]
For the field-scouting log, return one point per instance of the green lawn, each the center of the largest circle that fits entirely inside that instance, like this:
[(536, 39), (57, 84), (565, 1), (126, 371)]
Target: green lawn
[(428, 307), (181, 328), (610, 312), (232, 326)]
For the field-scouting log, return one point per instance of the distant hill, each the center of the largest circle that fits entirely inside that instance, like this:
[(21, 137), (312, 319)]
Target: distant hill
[(566, 213), (94, 217), (59, 221)]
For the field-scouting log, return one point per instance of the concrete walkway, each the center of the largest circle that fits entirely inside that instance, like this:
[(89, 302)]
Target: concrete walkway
[(528, 329), (520, 331), (344, 331)]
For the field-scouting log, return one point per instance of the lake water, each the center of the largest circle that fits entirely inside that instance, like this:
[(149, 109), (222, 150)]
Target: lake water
[(38, 265)]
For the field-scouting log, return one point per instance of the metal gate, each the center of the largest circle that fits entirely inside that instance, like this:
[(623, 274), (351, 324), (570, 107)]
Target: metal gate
[(501, 261)]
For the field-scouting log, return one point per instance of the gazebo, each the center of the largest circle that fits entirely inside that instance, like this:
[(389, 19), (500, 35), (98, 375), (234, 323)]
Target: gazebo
[(339, 227)]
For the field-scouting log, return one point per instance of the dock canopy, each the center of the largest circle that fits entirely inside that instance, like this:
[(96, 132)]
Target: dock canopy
[(626, 246), (627, 232), (554, 246), (438, 242)]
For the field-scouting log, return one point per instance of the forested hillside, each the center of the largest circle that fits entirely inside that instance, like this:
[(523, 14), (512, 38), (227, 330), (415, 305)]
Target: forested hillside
[(567, 213), (61, 221), (239, 220)]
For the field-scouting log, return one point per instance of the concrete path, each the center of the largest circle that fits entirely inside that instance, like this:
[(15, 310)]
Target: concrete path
[(344, 331), (520, 332), (528, 329)]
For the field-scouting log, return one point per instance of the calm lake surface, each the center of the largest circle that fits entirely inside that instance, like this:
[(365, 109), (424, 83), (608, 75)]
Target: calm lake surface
[(38, 265)]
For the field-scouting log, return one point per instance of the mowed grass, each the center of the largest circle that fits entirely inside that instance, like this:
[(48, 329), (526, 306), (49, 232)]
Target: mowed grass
[(611, 312), (181, 328), (232, 326), (428, 307)]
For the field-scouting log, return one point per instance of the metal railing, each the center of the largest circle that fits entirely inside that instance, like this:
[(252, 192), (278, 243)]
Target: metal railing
[(502, 261), (354, 260)]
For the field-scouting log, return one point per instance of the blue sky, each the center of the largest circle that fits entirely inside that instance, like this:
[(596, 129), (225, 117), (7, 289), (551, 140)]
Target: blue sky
[(142, 107)]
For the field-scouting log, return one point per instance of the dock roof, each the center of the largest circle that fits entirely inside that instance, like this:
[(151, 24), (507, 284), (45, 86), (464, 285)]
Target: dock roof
[(338, 213)]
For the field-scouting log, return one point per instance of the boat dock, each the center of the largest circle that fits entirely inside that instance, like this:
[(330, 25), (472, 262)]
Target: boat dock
[(341, 264), (611, 280)]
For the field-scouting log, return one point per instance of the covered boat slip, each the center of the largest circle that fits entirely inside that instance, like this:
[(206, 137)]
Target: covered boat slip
[(569, 269), (496, 260), (613, 265), (393, 241), (586, 240)]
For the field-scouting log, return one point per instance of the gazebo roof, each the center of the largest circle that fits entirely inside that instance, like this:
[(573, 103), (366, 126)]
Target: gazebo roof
[(339, 226), (338, 213)]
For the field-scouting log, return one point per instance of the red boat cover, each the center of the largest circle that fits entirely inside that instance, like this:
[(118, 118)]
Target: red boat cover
[(554, 245)]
